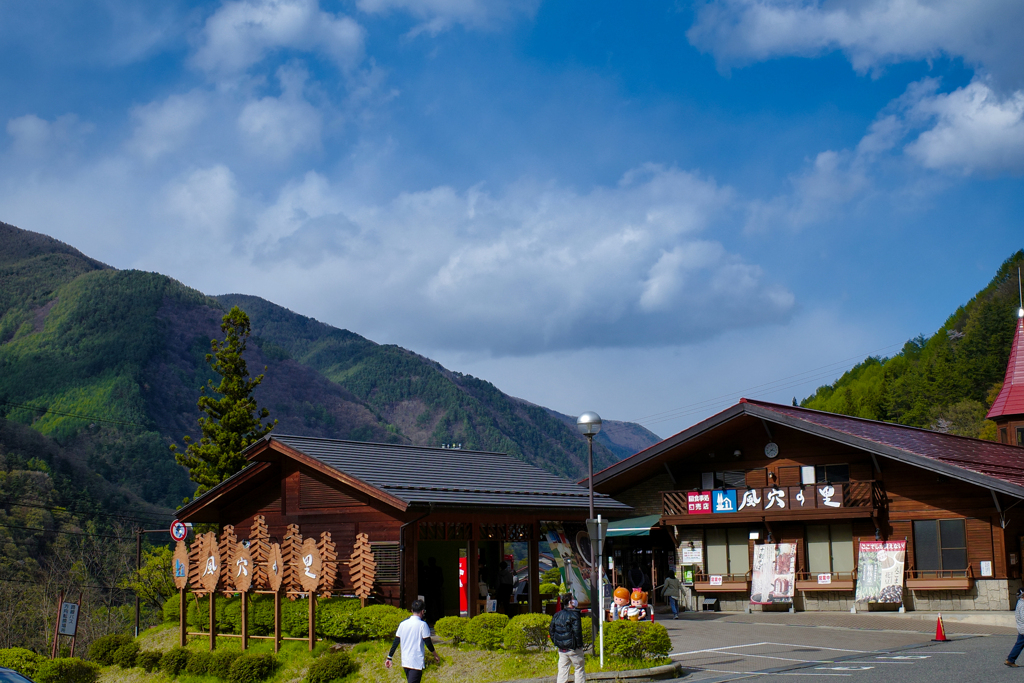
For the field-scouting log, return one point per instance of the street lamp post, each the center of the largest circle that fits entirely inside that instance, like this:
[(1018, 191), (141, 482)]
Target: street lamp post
[(589, 424)]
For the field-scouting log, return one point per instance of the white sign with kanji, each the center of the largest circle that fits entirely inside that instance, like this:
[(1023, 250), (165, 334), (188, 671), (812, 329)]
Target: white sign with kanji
[(68, 625)]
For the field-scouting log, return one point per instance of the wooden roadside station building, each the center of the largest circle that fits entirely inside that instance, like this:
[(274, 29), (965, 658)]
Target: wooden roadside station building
[(760, 473), (306, 503)]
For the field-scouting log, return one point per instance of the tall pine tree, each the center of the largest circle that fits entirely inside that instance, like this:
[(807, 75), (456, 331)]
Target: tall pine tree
[(232, 420)]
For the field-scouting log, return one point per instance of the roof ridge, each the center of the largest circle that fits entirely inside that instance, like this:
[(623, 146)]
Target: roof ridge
[(883, 423), (380, 443)]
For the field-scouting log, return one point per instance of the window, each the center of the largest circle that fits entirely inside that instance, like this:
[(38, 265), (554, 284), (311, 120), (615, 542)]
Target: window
[(732, 479), (836, 474), (1020, 436), (1002, 436), (728, 551), (388, 557), (940, 544), (829, 548)]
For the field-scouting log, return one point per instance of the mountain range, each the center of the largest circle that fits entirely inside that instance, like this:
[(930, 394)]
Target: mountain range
[(108, 363)]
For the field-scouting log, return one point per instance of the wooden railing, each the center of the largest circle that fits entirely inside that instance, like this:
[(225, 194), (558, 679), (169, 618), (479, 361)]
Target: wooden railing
[(940, 579), (860, 494)]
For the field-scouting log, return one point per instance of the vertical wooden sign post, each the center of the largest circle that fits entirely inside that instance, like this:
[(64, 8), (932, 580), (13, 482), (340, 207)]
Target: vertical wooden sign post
[(241, 569), (275, 576), (180, 571), (362, 568), (308, 570), (209, 575)]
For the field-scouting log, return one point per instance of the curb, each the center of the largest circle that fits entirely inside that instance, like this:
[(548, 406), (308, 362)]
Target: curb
[(637, 675)]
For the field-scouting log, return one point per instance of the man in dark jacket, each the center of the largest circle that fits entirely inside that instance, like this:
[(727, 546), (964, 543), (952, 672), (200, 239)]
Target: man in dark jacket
[(566, 632)]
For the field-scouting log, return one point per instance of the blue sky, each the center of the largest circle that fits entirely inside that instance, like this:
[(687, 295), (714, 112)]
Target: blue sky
[(644, 209)]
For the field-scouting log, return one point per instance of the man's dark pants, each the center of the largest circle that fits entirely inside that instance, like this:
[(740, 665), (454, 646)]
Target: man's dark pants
[(413, 675), (1017, 647)]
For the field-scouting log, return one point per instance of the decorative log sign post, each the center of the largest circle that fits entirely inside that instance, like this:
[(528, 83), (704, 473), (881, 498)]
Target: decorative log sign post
[(302, 567)]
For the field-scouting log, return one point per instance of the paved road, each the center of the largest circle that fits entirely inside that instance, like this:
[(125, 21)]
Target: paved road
[(841, 647)]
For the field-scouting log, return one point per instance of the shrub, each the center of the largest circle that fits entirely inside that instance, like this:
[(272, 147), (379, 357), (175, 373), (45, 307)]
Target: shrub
[(220, 663), (67, 670), (332, 667), (335, 619), (102, 649), (549, 589), (452, 629), (587, 624), (170, 609), (525, 631), (379, 622), (149, 660), (252, 668), (636, 639), (125, 655), (21, 660), (486, 630), (199, 663), (174, 661)]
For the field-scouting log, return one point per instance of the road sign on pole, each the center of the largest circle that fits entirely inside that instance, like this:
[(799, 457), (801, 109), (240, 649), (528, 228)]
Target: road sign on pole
[(178, 530)]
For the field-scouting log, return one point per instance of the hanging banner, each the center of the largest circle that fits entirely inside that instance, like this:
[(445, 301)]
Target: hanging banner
[(880, 571), (463, 570), (773, 580)]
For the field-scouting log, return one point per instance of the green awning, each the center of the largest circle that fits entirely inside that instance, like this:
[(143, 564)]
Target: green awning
[(636, 526)]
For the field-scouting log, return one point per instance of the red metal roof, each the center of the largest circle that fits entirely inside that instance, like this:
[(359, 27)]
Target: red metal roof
[(983, 457), (1011, 398)]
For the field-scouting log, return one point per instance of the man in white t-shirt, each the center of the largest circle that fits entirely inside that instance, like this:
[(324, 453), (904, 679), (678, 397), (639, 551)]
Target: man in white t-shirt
[(413, 635)]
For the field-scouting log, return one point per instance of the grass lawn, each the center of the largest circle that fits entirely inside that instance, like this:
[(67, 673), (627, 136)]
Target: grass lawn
[(461, 664)]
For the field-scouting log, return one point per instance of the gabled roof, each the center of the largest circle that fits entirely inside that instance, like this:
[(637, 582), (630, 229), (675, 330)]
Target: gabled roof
[(1010, 400), (988, 464), (402, 476)]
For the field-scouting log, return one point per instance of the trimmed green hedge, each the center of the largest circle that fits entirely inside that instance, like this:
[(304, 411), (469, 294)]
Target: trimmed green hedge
[(220, 663), (125, 655), (332, 667), (379, 622), (102, 649), (149, 660), (21, 660), (636, 639), (486, 630), (526, 631), (199, 663), (174, 661), (67, 670), (452, 629), (252, 668)]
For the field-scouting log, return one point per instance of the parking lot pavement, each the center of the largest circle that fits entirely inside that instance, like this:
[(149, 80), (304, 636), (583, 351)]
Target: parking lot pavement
[(776, 646)]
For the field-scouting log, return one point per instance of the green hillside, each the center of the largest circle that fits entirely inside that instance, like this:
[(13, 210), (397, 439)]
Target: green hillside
[(946, 381), (108, 363)]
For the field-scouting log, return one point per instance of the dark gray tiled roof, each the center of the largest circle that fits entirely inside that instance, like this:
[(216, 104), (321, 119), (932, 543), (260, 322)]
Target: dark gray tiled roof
[(418, 474)]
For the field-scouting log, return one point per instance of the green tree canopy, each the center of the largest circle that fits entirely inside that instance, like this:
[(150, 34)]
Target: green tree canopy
[(232, 420)]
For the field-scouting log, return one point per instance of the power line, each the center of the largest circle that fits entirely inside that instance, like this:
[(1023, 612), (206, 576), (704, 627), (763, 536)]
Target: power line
[(90, 418), (144, 517), (74, 585), (70, 533), (775, 385)]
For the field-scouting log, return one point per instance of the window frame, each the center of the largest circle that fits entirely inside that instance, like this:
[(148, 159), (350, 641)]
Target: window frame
[(729, 559), (831, 528), (821, 473), (940, 547)]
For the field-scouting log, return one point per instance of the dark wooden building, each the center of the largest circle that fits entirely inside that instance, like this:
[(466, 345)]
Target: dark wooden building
[(954, 499), (423, 509)]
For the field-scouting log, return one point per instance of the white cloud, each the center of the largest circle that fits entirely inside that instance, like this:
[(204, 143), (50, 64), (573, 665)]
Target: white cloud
[(162, 127), (205, 204), (438, 15), (872, 33), (242, 33), (32, 136), (279, 126), (974, 130), (536, 267)]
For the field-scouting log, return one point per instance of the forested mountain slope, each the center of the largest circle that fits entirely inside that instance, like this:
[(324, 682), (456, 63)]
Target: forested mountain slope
[(108, 364), (946, 381)]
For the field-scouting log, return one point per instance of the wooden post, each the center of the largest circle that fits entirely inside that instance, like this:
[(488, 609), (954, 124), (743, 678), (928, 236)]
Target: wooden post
[(245, 621), (56, 625), (213, 620), (183, 618), (312, 621), (472, 580), (277, 621), (533, 567), (75, 637)]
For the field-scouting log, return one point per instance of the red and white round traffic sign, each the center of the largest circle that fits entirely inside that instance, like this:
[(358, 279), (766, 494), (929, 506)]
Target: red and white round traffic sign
[(178, 531)]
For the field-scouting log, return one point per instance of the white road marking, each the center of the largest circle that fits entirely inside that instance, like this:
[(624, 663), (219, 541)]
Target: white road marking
[(845, 668), (822, 647), (764, 673), (902, 657), (716, 649)]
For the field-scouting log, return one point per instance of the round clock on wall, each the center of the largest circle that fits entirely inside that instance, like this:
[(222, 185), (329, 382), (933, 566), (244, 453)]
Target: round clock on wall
[(771, 449)]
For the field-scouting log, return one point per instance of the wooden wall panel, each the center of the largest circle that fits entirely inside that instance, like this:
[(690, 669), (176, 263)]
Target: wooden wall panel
[(979, 544)]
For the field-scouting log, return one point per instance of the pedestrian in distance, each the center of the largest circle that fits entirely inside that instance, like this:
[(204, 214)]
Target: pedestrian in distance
[(673, 590), (566, 631), (413, 636), (1011, 659)]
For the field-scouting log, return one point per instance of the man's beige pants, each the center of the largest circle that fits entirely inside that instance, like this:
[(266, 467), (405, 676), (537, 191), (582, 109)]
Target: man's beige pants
[(574, 658)]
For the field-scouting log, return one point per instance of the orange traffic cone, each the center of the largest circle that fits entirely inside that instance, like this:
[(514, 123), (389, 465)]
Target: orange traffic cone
[(940, 631)]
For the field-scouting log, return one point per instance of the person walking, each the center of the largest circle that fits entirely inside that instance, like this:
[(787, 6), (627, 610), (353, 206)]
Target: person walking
[(1011, 659), (566, 631), (673, 590), (413, 635)]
